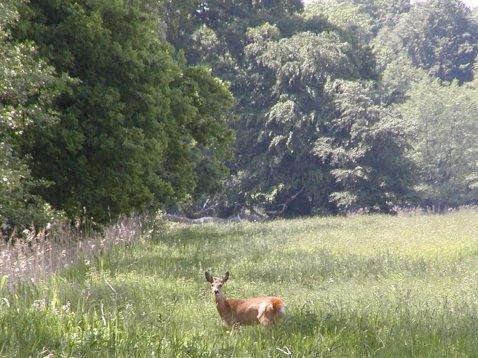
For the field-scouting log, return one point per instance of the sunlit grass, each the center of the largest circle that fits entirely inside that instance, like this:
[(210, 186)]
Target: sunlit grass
[(358, 286)]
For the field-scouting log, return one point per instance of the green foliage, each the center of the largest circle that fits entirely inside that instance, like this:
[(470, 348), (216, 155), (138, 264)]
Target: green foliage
[(438, 36), (232, 19), (303, 109), (27, 89), (133, 125), (345, 15), (436, 39), (383, 13), (203, 105), (365, 285), (282, 65), (446, 141), (102, 117), (365, 146)]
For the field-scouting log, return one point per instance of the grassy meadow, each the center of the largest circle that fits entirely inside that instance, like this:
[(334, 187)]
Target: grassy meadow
[(403, 286)]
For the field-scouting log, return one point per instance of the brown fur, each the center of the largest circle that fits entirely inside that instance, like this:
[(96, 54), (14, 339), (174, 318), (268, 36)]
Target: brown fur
[(256, 310)]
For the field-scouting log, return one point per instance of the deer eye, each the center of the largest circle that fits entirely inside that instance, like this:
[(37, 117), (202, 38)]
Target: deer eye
[(220, 285)]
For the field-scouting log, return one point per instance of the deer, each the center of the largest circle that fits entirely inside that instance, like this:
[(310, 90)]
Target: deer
[(256, 310)]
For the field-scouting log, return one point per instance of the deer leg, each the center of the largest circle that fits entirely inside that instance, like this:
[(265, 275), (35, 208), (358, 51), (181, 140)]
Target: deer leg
[(265, 314), (235, 328)]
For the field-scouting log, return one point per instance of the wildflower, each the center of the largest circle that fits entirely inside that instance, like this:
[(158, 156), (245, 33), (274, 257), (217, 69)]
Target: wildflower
[(39, 305), (66, 308)]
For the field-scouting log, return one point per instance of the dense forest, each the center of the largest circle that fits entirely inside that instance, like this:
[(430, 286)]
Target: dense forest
[(110, 107)]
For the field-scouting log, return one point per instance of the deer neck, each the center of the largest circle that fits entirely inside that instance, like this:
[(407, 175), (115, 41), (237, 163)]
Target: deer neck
[(223, 308)]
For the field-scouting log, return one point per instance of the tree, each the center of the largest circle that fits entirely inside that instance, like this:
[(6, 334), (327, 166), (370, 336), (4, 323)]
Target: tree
[(365, 144), (384, 13), (27, 88), (309, 129), (346, 16), (231, 19), (134, 124), (437, 36), (445, 145)]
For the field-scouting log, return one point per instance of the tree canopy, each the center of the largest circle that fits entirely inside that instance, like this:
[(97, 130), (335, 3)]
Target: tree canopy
[(28, 88), (109, 107), (134, 126), (446, 137), (439, 36)]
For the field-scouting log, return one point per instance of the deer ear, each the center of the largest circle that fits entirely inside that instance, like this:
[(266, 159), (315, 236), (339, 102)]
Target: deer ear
[(225, 277), (209, 277)]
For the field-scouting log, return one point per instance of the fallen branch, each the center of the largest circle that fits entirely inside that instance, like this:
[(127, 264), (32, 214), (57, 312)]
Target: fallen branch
[(212, 219), (203, 220), (285, 205)]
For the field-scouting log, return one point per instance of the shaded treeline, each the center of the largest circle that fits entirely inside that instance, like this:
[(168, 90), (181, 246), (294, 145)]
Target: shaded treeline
[(114, 107)]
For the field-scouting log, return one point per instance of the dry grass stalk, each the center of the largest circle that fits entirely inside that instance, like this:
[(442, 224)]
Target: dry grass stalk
[(38, 255)]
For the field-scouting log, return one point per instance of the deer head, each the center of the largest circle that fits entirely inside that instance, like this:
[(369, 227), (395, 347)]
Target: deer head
[(217, 282)]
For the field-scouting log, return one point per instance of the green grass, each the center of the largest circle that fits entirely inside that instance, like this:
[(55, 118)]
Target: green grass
[(378, 286)]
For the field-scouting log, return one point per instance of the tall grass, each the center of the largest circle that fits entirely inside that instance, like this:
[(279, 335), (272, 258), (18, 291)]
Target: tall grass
[(39, 254), (360, 286)]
